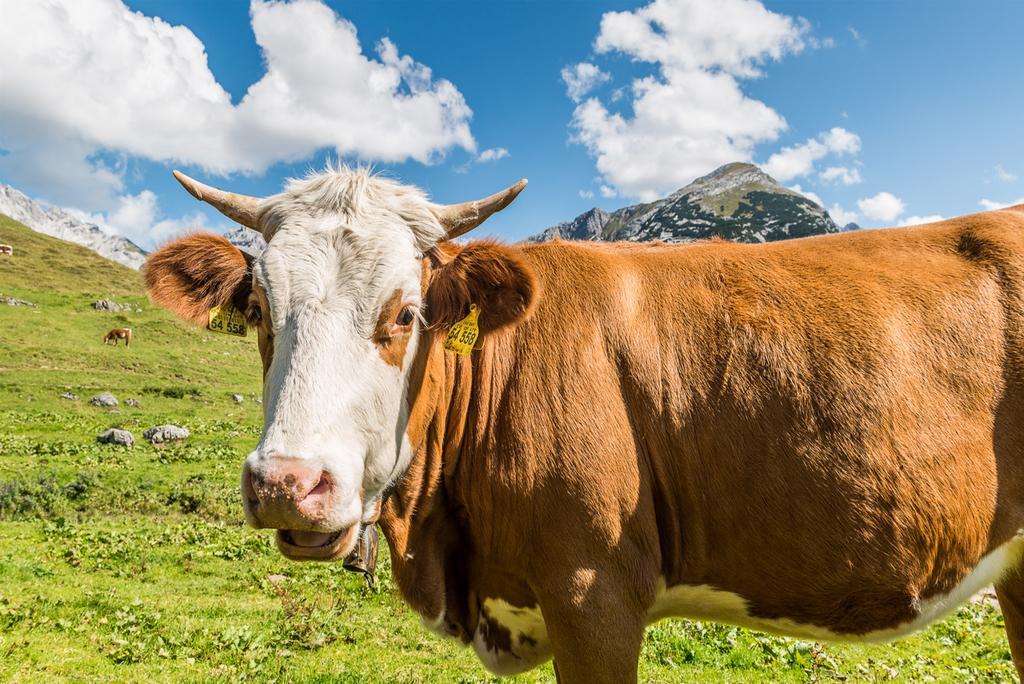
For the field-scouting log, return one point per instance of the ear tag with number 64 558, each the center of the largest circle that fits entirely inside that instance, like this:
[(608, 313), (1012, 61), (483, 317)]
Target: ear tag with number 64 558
[(226, 320), (463, 335)]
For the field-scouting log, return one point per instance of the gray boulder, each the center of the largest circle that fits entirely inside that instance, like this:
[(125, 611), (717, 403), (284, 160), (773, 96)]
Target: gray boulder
[(13, 301), (165, 433), (238, 398), (69, 396), (107, 305), (132, 402), (115, 307), (104, 399), (115, 436)]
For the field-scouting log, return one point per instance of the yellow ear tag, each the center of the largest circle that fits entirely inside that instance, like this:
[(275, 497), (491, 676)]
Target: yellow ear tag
[(226, 320), (462, 336)]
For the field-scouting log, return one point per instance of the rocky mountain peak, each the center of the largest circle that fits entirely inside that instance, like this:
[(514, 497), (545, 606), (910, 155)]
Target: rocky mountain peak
[(734, 172), (58, 223), (586, 226), (737, 201), (247, 240)]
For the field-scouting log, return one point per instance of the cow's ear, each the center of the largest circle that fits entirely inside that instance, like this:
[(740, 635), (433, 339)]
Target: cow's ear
[(193, 274), (491, 275)]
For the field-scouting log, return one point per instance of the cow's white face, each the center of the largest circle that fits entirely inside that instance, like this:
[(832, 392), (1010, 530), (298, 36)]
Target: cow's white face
[(337, 299), (344, 306)]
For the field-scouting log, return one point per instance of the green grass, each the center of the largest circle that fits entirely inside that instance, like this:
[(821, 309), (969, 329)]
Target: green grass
[(124, 564)]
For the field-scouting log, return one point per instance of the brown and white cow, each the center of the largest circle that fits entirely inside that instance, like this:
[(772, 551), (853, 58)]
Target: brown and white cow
[(7, 249), (119, 334), (822, 437)]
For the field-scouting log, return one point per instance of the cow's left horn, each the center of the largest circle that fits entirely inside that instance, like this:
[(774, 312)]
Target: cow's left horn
[(459, 219), (241, 208)]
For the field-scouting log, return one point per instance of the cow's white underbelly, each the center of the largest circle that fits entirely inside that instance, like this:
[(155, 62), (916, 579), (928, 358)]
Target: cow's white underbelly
[(528, 637), (529, 645), (702, 602)]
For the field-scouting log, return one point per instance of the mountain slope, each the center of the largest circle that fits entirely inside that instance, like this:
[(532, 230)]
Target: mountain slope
[(47, 264), (737, 202), (58, 223)]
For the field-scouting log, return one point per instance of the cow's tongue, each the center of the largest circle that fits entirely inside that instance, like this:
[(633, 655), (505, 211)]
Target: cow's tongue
[(312, 539)]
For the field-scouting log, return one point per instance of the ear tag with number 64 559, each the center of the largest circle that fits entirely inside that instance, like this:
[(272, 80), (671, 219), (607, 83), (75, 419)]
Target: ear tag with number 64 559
[(463, 335), (226, 320)]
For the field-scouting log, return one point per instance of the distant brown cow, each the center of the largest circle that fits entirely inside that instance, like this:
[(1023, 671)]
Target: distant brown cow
[(119, 334), (6, 249)]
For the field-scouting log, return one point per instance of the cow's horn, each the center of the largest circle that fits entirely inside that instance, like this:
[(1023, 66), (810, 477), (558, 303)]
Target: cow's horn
[(241, 208), (459, 219)]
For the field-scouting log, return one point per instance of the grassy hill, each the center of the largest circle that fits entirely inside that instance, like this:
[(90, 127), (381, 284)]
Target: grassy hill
[(121, 564)]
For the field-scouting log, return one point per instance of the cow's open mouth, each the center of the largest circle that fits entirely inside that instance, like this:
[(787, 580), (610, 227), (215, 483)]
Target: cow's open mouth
[(322, 546)]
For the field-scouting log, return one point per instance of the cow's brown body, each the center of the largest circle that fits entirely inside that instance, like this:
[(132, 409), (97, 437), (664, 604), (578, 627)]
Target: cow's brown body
[(820, 437), (830, 429), (119, 334)]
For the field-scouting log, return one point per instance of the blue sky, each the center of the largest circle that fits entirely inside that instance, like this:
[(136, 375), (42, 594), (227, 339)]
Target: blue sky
[(887, 112)]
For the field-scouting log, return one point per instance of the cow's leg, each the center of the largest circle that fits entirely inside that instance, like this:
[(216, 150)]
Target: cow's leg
[(595, 638), (595, 649), (1010, 592)]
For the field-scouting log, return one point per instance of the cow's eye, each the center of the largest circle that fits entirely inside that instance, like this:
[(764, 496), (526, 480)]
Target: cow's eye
[(254, 314), (405, 317)]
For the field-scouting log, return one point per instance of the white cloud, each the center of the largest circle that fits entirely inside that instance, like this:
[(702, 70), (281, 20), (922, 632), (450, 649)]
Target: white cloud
[(808, 194), (798, 160), (918, 220), (608, 192), (492, 154), (735, 36), (884, 206), (841, 174), (841, 216), (860, 40), (841, 141), (138, 218), (1004, 175), (992, 205), (581, 78), (587, 194), (89, 77), (691, 115)]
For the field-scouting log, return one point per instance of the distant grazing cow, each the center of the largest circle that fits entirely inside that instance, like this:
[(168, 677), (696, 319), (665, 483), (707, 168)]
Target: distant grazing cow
[(822, 437), (119, 334), (7, 249)]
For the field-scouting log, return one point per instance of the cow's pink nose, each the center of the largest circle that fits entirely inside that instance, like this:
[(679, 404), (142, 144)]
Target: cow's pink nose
[(287, 492)]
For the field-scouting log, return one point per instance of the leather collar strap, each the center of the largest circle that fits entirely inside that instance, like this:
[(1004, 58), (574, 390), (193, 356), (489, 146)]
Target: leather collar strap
[(363, 558)]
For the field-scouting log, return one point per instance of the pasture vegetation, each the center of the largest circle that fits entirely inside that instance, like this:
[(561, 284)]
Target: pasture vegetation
[(130, 564)]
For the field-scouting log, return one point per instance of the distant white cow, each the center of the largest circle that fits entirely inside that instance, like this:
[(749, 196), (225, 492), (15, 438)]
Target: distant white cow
[(7, 249)]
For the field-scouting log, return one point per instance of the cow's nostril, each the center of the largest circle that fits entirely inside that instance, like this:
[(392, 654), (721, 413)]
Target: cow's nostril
[(249, 486), (322, 487)]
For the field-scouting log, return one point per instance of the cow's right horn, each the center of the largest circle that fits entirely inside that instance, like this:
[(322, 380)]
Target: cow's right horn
[(241, 208)]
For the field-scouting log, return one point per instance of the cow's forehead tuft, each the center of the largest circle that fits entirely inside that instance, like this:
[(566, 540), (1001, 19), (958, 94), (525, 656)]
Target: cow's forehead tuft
[(333, 267), (356, 199)]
